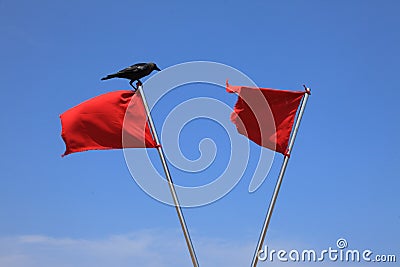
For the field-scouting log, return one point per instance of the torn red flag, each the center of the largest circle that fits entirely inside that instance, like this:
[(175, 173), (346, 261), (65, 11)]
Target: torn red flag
[(265, 115)]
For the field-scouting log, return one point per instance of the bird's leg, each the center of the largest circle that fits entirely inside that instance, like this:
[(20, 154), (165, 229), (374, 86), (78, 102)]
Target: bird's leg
[(131, 84), (139, 83)]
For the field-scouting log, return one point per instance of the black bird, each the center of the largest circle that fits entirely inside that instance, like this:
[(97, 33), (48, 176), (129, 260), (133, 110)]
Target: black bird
[(134, 72)]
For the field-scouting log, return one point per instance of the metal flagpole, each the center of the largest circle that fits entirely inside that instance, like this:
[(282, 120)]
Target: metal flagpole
[(170, 183), (280, 178)]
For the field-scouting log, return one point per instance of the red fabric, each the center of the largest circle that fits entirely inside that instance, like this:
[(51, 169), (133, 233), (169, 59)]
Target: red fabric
[(264, 115), (109, 121)]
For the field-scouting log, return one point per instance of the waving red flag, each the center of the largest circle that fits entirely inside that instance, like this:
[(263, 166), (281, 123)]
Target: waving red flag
[(110, 121), (265, 115)]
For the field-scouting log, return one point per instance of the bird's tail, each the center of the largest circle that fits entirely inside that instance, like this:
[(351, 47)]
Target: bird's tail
[(107, 77)]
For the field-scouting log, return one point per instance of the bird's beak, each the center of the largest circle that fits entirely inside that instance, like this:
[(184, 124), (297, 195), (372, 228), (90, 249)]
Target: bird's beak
[(156, 68)]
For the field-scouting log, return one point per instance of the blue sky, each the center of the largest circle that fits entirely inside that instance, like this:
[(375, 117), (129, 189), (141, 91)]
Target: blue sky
[(85, 209)]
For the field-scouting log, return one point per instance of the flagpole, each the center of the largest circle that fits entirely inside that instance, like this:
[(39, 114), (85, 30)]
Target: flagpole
[(280, 178), (169, 179)]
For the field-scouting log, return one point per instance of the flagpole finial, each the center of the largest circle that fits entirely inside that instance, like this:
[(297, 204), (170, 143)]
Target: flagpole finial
[(308, 90)]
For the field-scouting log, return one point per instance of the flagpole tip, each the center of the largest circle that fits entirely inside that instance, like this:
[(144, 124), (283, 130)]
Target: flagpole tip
[(308, 90)]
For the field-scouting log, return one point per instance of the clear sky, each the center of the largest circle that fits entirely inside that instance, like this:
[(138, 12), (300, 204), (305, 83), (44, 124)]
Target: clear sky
[(85, 209)]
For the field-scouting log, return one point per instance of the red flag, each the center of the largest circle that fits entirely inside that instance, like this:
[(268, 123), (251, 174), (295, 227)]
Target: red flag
[(264, 115), (109, 121)]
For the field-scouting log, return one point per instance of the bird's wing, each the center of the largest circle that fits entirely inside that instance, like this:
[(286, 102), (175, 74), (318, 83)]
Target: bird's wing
[(134, 68)]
